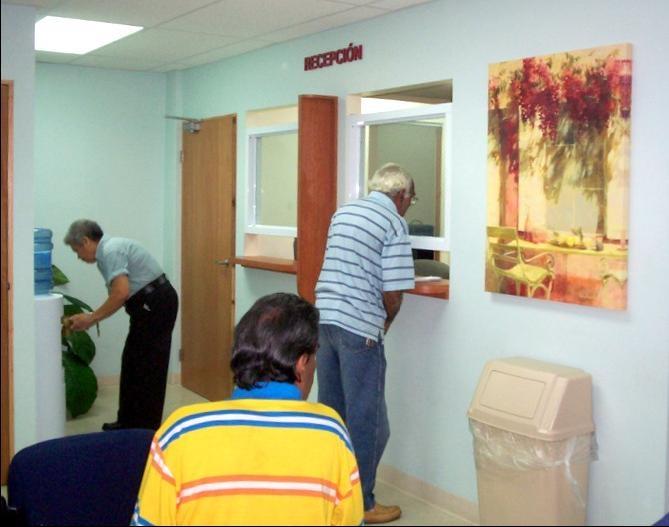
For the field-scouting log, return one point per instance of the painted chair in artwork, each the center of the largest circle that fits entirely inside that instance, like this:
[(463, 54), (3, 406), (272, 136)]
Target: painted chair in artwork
[(609, 274), (613, 281), (508, 262)]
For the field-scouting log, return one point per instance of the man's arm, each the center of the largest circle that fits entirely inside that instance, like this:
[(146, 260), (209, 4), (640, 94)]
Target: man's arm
[(119, 293), (392, 301), (350, 509), (157, 497)]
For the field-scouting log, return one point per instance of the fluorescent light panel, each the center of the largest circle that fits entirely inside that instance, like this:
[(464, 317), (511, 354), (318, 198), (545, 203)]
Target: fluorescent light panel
[(70, 35)]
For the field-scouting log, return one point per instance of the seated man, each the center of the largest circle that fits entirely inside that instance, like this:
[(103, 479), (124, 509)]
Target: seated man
[(266, 456)]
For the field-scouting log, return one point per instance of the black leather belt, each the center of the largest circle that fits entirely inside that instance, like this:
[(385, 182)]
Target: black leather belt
[(152, 286)]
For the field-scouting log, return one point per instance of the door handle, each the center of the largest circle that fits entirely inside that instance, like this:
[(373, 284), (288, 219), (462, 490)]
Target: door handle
[(225, 263)]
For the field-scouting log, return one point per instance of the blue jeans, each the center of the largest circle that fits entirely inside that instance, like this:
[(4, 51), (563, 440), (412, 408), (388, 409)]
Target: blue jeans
[(351, 374)]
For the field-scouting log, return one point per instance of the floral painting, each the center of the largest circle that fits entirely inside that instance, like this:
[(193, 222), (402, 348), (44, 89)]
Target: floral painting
[(558, 176)]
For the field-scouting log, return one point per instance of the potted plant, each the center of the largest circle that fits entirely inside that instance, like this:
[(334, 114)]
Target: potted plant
[(81, 385)]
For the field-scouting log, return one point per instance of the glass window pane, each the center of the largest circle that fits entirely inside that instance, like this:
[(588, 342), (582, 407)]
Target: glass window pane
[(276, 179), (415, 145)]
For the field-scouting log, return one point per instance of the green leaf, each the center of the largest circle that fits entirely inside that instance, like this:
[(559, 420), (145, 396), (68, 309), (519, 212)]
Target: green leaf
[(81, 386), (71, 309), (81, 344), (77, 302), (78, 351), (59, 277), (75, 307)]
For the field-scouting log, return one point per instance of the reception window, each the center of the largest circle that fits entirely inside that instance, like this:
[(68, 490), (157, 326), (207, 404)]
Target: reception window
[(272, 173), (414, 132)]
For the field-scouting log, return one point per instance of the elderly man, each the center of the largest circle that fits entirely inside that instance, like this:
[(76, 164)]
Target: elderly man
[(134, 280), (265, 457), (367, 265)]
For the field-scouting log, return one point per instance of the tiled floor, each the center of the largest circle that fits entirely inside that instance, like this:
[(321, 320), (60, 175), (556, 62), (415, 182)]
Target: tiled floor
[(105, 406), (414, 510)]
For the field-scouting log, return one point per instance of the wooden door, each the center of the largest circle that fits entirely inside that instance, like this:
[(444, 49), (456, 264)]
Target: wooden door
[(208, 246), (6, 382)]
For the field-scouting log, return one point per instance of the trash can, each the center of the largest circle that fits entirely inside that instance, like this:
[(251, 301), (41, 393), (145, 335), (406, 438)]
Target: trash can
[(533, 442)]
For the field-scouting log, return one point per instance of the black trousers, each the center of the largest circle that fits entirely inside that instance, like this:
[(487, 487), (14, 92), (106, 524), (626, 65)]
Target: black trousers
[(146, 357)]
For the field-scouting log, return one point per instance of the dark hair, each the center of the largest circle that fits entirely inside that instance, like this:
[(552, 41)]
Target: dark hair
[(270, 337), (81, 229)]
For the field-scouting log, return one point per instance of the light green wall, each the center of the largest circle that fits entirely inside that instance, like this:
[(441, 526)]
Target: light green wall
[(436, 350), (18, 65), (100, 153), (172, 202)]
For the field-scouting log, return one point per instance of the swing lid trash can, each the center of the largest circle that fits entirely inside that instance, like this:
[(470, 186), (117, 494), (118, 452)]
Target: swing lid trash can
[(534, 398), (533, 434)]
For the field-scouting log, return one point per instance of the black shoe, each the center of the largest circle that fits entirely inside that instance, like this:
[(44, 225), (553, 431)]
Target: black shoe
[(108, 427)]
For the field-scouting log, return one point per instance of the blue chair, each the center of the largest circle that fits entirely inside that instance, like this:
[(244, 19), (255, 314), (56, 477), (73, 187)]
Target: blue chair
[(10, 517), (663, 522), (88, 479)]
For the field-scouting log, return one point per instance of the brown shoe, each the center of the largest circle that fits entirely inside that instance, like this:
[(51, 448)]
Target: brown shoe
[(382, 513)]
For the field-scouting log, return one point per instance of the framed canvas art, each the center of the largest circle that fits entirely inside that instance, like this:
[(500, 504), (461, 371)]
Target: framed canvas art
[(558, 176)]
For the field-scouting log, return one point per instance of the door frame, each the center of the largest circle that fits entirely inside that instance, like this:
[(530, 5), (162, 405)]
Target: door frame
[(7, 264)]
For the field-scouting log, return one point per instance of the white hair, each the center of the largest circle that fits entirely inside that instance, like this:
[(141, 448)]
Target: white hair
[(81, 229), (390, 179)]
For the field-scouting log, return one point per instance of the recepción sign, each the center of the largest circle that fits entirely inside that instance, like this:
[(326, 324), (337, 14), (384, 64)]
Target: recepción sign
[(330, 58)]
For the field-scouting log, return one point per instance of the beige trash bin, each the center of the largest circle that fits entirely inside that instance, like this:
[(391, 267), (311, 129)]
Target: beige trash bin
[(533, 442)]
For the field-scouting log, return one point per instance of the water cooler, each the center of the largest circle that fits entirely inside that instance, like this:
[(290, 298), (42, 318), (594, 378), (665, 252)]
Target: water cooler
[(48, 366)]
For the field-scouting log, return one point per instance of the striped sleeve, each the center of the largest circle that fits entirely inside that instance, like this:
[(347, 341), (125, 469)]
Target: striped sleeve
[(397, 260), (349, 509), (157, 499), (349, 506)]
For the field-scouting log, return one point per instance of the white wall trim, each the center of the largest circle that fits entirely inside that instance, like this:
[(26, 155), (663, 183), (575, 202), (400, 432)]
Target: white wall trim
[(354, 180), (454, 505), (254, 135)]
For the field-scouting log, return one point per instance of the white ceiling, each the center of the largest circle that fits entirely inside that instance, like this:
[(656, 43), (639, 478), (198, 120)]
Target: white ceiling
[(180, 34)]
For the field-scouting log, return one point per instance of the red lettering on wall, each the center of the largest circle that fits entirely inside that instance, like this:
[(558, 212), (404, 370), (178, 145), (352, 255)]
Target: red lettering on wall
[(350, 53)]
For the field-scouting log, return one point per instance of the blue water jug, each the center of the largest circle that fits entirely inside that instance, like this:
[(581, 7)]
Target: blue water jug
[(43, 273)]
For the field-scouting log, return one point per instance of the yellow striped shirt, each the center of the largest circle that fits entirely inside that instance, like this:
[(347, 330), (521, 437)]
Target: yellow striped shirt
[(251, 461)]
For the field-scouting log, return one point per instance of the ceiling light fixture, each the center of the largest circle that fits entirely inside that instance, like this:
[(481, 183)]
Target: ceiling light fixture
[(70, 35)]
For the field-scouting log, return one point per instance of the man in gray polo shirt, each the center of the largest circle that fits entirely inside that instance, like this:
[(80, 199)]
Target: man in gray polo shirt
[(367, 265), (134, 280)]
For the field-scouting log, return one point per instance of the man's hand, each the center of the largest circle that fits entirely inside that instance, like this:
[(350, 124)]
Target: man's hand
[(80, 322), (119, 293), (392, 300)]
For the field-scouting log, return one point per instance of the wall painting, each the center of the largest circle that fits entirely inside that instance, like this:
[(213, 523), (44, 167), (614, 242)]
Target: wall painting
[(558, 176)]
